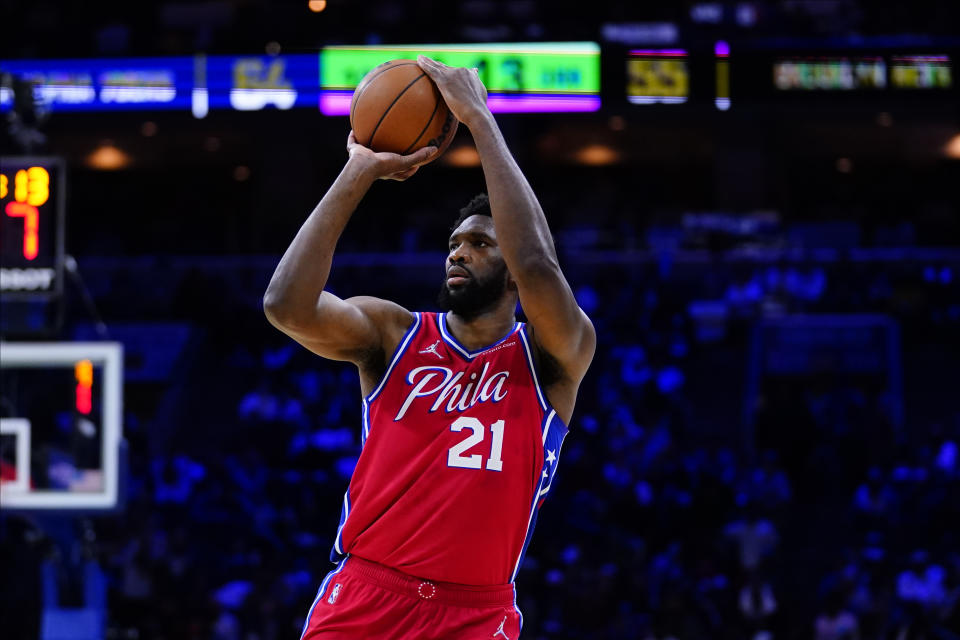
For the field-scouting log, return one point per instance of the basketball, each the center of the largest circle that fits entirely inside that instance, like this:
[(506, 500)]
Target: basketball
[(398, 108)]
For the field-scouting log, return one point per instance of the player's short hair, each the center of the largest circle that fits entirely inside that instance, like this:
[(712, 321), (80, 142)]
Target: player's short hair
[(478, 206)]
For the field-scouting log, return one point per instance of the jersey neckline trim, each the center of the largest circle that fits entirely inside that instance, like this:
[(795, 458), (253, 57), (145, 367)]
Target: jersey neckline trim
[(459, 348)]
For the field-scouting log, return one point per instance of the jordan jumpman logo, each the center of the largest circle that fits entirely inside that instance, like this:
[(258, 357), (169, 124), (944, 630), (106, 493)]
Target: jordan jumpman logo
[(500, 631), (433, 349)]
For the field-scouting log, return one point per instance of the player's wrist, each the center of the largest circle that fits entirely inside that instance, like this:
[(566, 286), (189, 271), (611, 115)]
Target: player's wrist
[(479, 119), (366, 170)]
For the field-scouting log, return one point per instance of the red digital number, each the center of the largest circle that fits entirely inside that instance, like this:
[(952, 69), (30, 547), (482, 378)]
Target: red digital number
[(31, 226), (83, 372)]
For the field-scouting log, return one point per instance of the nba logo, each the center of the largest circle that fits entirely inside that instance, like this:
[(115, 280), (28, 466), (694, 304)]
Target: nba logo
[(333, 595)]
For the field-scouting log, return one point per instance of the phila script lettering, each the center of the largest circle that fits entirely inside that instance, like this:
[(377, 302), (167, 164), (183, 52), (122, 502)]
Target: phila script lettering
[(459, 394)]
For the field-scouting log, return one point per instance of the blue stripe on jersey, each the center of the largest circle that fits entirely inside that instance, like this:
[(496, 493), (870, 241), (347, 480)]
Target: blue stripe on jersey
[(365, 426), (397, 354), (554, 432), (466, 353), (533, 370), (552, 444), (320, 592), (337, 552), (517, 608)]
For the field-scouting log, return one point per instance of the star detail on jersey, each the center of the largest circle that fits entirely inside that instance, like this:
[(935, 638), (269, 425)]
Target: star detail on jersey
[(549, 460)]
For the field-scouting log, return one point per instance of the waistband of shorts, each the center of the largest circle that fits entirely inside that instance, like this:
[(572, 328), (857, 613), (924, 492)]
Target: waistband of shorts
[(465, 595)]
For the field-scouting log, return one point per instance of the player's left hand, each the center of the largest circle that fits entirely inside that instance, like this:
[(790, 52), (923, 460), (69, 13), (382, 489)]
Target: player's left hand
[(460, 87), (388, 166)]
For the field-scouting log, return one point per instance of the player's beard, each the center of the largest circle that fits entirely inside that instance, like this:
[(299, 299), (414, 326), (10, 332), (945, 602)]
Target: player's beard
[(476, 296)]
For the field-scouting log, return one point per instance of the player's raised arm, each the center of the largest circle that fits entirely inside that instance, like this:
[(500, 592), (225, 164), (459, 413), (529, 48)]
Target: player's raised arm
[(295, 301), (561, 328)]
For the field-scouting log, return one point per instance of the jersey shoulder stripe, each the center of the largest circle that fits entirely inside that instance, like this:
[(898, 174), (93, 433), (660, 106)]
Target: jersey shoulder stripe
[(397, 354)]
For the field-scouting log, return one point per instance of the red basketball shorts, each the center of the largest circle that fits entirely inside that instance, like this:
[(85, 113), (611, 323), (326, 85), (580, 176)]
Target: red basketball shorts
[(362, 599)]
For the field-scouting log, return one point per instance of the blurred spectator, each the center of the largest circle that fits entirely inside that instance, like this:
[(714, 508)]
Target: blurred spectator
[(836, 623), (922, 583), (766, 485), (758, 606), (873, 500), (756, 538)]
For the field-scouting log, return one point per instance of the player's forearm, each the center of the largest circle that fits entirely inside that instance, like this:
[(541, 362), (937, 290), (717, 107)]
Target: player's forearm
[(302, 274), (522, 230)]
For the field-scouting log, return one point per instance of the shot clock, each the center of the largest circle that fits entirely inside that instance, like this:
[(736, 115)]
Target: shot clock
[(31, 227)]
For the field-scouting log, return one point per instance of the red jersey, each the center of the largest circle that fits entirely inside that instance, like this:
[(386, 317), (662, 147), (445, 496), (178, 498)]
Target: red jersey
[(459, 450)]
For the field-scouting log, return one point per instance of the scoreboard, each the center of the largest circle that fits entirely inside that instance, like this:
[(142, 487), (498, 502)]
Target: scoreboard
[(31, 227), (658, 76), (519, 77), (863, 73), (830, 74), (531, 77), (921, 72)]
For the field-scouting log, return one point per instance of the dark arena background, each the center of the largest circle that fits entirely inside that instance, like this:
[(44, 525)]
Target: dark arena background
[(757, 203)]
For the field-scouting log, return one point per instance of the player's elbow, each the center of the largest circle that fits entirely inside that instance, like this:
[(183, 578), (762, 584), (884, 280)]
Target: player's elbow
[(279, 312), (293, 317), (273, 311)]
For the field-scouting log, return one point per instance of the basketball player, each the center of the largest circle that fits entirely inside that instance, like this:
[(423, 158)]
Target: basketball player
[(464, 412)]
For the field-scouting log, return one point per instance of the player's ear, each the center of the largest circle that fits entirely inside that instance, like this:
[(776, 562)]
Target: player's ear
[(511, 283)]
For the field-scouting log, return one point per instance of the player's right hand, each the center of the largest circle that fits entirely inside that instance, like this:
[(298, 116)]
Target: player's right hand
[(461, 89), (387, 166)]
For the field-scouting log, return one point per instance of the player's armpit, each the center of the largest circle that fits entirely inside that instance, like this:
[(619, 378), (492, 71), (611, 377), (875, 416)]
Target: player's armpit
[(561, 328), (348, 330)]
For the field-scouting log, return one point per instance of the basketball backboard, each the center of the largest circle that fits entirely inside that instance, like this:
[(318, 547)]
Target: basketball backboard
[(61, 433)]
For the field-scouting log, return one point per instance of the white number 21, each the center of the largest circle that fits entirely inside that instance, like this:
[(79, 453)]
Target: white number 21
[(455, 457)]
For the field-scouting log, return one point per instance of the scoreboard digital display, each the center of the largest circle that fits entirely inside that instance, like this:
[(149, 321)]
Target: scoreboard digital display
[(31, 227), (658, 76), (120, 84), (519, 77), (534, 77), (253, 83), (197, 84), (863, 73), (921, 72), (828, 74)]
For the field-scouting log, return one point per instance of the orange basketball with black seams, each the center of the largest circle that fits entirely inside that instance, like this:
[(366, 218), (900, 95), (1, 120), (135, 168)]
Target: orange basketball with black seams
[(398, 108)]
